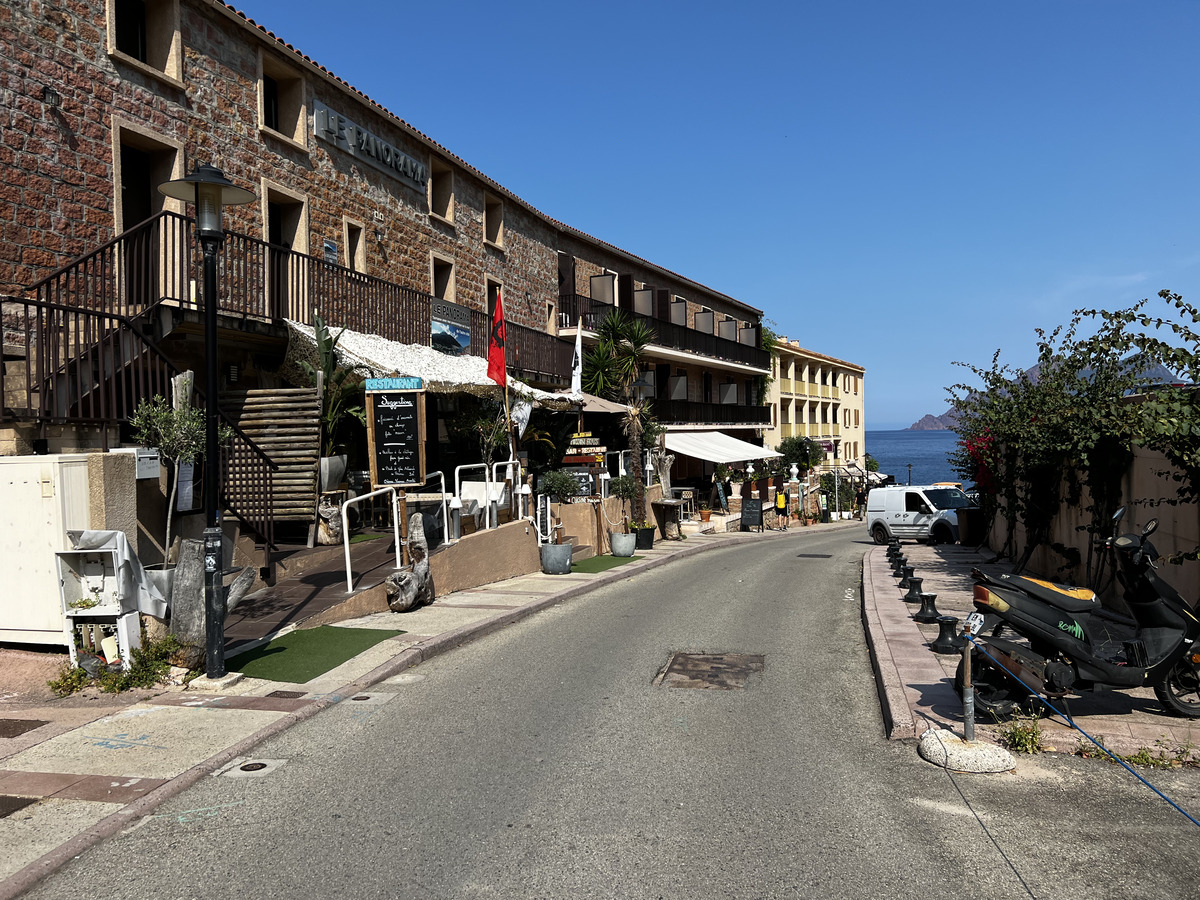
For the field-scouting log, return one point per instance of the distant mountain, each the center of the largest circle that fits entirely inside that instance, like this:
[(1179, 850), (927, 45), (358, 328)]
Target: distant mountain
[(944, 422)]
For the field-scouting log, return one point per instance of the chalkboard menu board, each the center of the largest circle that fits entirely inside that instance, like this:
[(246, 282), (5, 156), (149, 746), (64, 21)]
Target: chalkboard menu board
[(396, 436), (752, 514)]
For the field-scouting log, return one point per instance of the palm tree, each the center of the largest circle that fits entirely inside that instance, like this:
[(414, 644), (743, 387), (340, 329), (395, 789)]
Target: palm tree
[(610, 368)]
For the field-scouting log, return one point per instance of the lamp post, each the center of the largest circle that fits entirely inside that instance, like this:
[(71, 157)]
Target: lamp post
[(209, 190), (910, 473)]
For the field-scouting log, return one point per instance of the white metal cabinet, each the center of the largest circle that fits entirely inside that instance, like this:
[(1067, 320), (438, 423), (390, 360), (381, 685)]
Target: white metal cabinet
[(41, 498)]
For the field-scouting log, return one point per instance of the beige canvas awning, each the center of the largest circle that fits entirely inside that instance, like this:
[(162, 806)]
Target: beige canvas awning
[(715, 446)]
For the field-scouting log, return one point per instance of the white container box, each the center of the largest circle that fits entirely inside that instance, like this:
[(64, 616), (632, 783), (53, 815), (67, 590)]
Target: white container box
[(41, 498)]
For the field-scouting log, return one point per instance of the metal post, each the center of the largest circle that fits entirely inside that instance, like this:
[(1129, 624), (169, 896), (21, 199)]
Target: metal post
[(968, 693), (214, 563), (214, 605)]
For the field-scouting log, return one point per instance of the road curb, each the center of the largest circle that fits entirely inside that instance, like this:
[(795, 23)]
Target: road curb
[(898, 720), (28, 876)]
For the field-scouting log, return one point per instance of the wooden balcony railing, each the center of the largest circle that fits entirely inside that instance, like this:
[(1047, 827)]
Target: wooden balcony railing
[(689, 412)]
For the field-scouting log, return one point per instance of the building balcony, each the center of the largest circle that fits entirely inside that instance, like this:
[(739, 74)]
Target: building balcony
[(576, 310), (689, 412)]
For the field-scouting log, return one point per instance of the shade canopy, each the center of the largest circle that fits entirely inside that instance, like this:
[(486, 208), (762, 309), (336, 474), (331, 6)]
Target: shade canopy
[(715, 447)]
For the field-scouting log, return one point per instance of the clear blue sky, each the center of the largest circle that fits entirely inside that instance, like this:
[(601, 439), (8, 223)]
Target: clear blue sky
[(901, 185)]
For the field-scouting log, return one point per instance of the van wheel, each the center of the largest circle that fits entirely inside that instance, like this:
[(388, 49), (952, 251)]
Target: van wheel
[(879, 532), (940, 536)]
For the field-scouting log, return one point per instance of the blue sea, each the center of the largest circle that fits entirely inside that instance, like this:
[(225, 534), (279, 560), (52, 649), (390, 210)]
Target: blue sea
[(927, 451)]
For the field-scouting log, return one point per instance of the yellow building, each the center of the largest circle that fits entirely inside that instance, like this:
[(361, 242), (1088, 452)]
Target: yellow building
[(818, 397)]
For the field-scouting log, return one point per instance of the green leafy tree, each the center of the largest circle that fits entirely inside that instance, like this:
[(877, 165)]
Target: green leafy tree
[(802, 452), (179, 436), (610, 367)]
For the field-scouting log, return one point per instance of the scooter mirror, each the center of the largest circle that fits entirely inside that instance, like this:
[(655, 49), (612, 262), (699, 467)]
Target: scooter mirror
[(1150, 528), (1118, 514)]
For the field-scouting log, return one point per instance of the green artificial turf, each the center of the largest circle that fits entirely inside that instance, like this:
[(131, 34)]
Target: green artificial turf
[(601, 563), (303, 655)]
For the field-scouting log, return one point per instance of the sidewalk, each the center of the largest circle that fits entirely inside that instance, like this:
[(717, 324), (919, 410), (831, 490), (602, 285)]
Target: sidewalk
[(73, 773), (916, 685)]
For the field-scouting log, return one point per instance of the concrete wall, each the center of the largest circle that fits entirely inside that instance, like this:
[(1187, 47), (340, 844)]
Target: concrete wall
[(1178, 528), (485, 557)]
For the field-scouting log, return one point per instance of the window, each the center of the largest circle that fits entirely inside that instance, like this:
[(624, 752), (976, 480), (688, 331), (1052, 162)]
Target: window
[(285, 220), (145, 34), (356, 246), (442, 276), (493, 221), (281, 109), (441, 190), (856, 418), (493, 295)]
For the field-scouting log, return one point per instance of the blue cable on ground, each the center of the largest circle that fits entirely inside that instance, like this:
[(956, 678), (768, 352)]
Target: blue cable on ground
[(1070, 721)]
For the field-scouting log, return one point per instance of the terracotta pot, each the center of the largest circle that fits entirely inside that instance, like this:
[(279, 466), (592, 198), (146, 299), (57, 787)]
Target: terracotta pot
[(705, 515)]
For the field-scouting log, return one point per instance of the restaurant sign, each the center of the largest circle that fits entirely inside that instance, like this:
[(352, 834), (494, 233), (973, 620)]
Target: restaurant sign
[(336, 129)]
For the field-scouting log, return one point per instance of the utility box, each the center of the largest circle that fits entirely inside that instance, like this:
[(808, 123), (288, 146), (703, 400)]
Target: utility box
[(41, 499), (89, 584)]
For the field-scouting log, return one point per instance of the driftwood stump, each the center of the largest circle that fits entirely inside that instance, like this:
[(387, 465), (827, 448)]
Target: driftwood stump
[(410, 589)]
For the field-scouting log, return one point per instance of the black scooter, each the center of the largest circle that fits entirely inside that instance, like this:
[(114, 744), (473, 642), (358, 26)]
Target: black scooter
[(1076, 646)]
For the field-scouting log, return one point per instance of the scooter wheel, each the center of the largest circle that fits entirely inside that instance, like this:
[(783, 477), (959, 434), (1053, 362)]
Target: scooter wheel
[(997, 696), (1179, 691)]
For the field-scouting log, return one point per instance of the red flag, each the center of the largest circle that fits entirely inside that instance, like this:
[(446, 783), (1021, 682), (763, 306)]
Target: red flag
[(496, 368)]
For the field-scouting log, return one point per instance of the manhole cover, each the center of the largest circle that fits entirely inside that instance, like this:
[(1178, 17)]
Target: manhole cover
[(11, 728), (10, 805), (710, 671), (286, 695), (253, 767), (361, 697)]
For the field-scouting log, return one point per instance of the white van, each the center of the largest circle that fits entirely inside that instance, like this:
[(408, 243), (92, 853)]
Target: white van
[(915, 512)]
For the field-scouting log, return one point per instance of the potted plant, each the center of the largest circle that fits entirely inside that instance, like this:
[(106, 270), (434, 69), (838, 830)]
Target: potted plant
[(747, 483), (560, 487), (705, 511), (341, 401), (177, 432), (623, 542)]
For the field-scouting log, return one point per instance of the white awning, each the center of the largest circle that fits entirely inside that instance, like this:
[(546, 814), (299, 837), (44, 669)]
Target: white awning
[(715, 447)]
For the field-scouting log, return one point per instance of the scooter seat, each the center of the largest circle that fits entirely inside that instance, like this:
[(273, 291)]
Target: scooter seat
[(1060, 596)]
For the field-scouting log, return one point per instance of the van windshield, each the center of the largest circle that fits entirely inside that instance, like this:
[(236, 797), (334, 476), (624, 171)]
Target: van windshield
[(948, 498)]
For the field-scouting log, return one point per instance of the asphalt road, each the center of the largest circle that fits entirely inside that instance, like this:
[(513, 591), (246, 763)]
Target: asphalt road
[(546, 761)]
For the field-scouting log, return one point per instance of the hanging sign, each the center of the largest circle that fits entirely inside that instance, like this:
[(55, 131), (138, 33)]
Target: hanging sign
[(396, 434)]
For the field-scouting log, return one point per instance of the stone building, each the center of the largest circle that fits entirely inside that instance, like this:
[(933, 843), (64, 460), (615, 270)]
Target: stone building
[(358, 217)]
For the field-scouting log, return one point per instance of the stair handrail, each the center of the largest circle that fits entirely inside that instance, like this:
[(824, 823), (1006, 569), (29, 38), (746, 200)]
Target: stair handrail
[(346, 528)]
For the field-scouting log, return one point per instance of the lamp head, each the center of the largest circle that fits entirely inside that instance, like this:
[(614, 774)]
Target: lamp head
[(210, 190)]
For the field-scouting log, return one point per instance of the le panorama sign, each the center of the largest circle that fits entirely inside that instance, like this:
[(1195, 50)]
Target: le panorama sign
[(361, 144)]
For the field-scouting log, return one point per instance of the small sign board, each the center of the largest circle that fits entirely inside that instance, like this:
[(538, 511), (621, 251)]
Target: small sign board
[(752, 513), (395, 383), (396, 436)]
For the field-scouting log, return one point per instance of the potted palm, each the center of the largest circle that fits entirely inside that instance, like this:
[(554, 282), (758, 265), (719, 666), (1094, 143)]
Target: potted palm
[(341, 402), (623, 542), (560, 487)]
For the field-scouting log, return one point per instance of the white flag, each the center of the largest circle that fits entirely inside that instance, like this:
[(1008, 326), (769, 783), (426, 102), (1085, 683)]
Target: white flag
[(577, 361)]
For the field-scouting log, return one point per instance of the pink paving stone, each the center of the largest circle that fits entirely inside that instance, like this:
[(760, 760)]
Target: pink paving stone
[(109, 789), (37, 784)]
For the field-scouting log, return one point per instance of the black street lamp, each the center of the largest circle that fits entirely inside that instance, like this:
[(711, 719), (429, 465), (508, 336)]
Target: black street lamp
[(209, 190), (910, 473)]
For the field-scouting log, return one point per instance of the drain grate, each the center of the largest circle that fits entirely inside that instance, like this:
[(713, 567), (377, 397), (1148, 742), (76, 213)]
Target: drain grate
[(710, 671), (286, 695), (814, 556), (11, 728), (10, 805)]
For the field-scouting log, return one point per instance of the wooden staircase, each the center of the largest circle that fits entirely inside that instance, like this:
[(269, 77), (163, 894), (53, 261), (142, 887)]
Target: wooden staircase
[(286, 424)]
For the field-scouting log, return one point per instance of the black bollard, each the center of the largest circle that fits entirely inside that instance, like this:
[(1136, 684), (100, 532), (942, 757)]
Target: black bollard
[(928, 613), (898, 566), (908, 574), (914, 589), (948, 640)]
